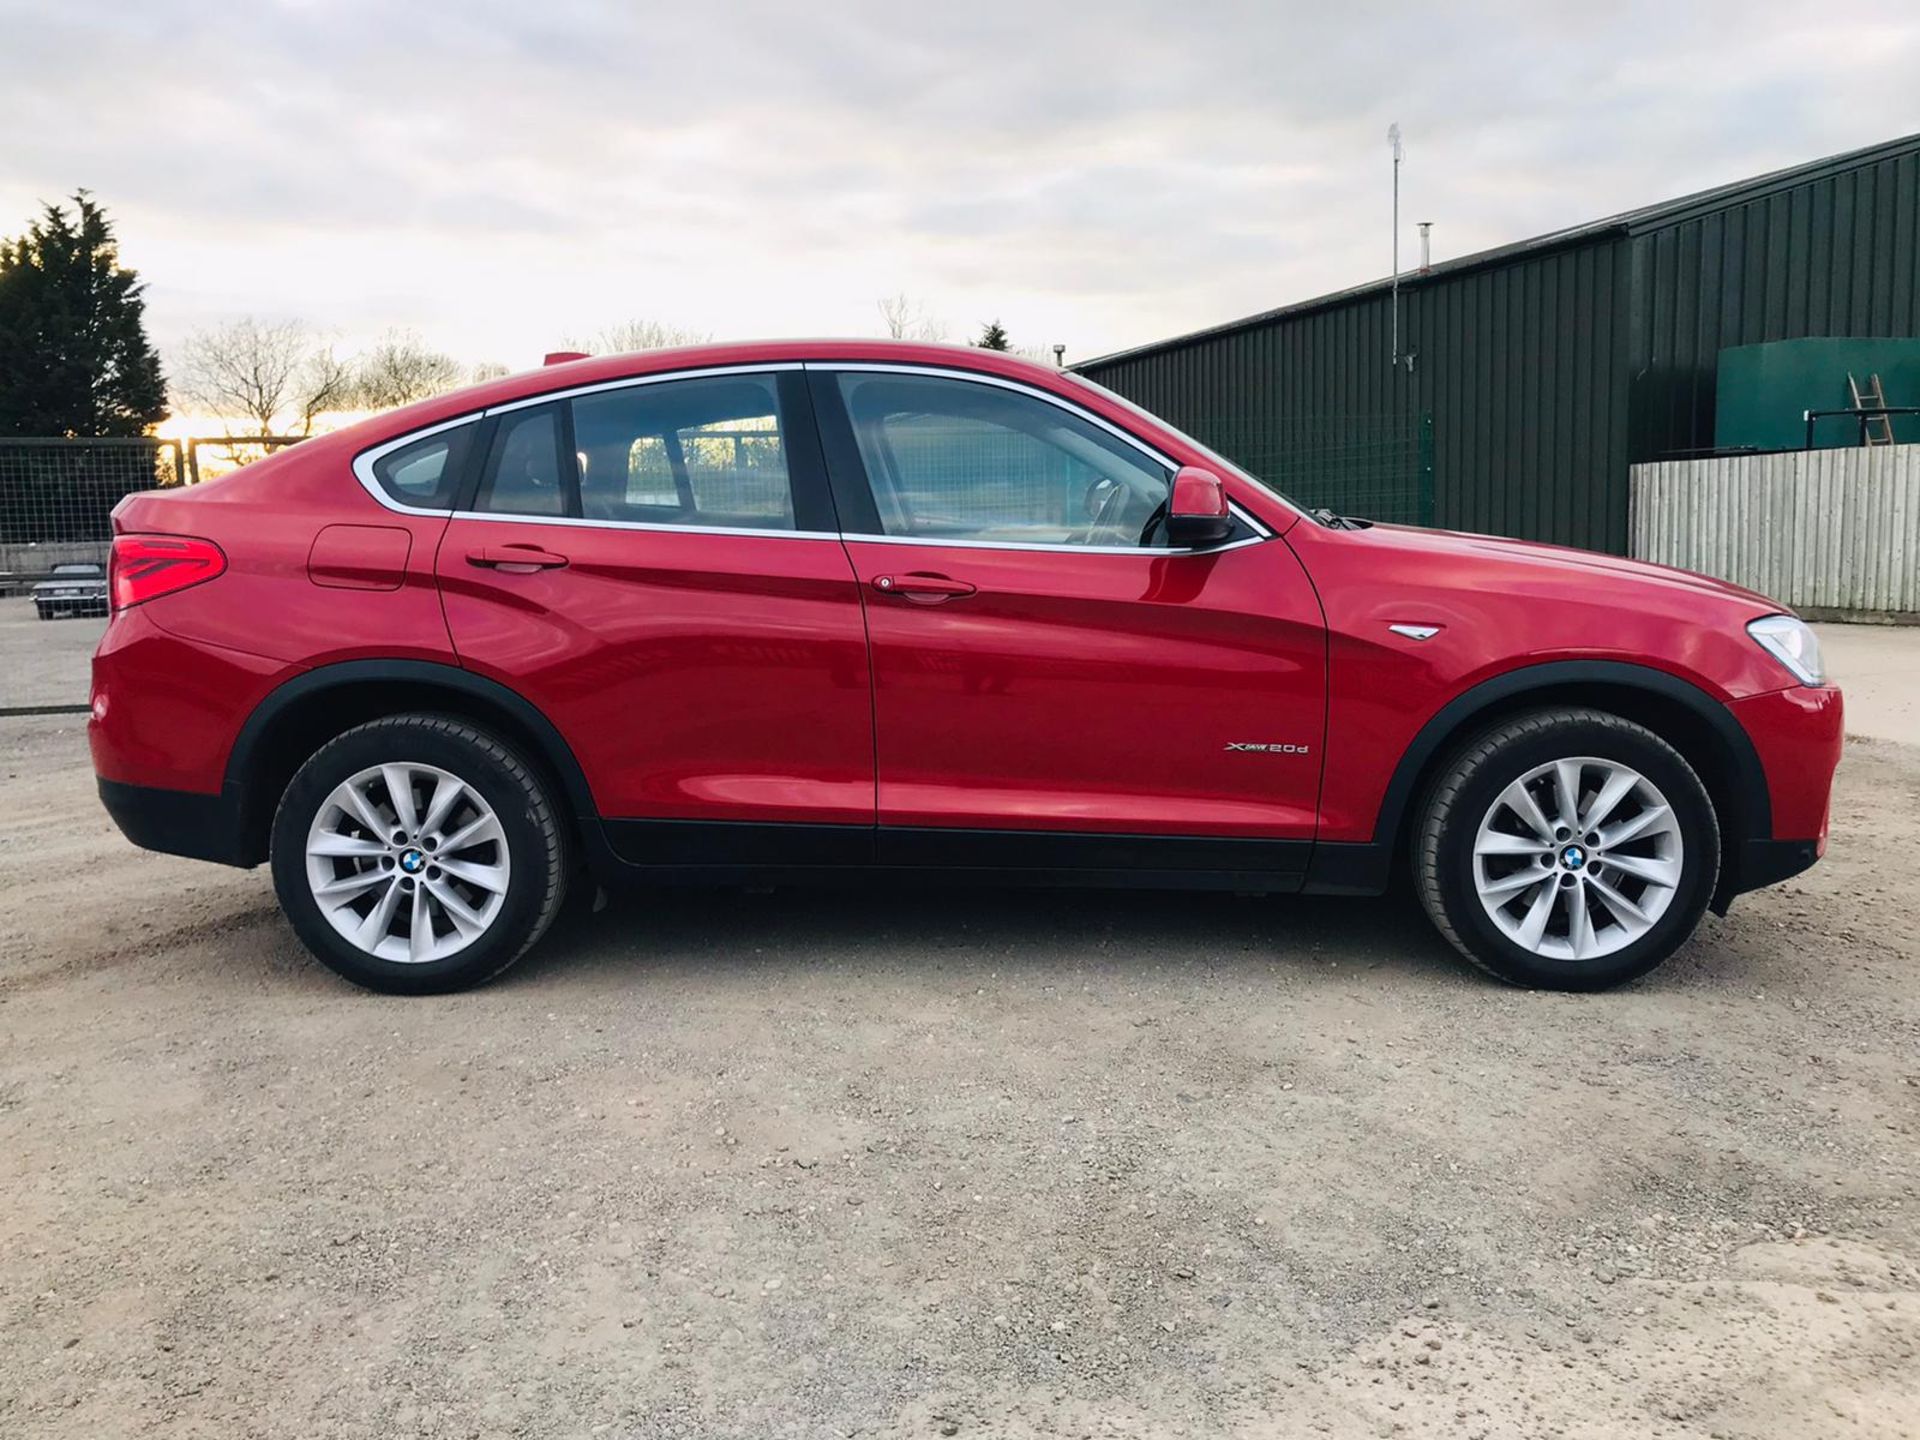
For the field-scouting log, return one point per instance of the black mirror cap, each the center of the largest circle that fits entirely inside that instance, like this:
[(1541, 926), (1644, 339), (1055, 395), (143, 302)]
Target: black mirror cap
[(1190, 532)]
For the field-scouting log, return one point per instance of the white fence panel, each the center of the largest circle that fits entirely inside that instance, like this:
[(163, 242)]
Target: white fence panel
[(1835, 530)]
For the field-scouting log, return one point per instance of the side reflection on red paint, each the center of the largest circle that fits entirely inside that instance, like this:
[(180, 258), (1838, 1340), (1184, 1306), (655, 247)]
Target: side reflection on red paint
[(1098, 690)]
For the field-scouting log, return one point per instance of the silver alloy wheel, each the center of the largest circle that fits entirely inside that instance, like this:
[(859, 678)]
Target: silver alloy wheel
[(1578, 858), (408, 862)]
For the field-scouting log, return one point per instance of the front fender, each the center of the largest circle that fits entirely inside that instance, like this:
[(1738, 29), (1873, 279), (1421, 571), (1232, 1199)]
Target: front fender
[(1363, 864)]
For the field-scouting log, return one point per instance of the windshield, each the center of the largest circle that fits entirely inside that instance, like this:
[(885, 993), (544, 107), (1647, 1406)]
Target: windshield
[(1214, 456), (76, 569)]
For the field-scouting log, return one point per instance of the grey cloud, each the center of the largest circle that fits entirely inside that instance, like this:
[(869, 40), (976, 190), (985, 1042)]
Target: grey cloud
[(1146, 166)]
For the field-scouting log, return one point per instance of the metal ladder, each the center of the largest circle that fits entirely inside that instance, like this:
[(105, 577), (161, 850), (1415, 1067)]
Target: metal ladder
[(1873, 397)]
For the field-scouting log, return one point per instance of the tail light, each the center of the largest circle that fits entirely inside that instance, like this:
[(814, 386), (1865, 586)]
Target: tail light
[(144, 567)]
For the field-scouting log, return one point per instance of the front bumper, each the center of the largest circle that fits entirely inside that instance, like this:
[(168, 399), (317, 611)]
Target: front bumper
[(1798, 734)]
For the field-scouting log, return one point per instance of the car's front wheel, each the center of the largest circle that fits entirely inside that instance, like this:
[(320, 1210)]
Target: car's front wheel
[(418, 854), (1567, 849)]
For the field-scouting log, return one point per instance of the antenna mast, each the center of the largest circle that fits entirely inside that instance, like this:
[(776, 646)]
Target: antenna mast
[(1393, 140)]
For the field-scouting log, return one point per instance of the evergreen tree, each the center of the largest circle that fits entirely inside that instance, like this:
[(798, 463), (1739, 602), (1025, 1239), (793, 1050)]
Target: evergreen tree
[(993, 337), (74, 354)]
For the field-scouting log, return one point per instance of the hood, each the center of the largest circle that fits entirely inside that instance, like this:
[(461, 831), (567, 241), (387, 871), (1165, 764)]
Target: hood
[(1546, 559)]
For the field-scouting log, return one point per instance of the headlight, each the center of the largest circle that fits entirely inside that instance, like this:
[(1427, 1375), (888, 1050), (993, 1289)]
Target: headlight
[(1793, 643)]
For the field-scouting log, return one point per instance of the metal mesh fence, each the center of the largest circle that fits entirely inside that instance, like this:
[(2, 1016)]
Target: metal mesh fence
[(965, 475), (64, 490), (1376, 467), (210, 456), (730, 470), (57, 497)]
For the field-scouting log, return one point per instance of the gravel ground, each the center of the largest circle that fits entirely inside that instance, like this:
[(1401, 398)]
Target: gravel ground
[(950, 1163), (44, 662)]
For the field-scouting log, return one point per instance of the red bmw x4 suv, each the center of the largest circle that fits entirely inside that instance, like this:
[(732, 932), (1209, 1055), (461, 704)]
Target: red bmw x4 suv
[(782, 612)]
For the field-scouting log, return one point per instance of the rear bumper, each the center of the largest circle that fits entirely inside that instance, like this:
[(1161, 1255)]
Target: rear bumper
[(1768, 862), (177, 822)]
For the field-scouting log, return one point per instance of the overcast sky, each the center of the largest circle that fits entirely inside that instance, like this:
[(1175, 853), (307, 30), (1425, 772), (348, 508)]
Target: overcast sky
[(498, 174)]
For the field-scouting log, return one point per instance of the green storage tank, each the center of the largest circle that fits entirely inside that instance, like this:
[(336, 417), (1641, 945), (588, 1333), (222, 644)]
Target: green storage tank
[(1762, 392)]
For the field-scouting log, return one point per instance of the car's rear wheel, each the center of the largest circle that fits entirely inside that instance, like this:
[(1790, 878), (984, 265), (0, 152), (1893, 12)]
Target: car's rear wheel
[(1567, 849), (418, 854)]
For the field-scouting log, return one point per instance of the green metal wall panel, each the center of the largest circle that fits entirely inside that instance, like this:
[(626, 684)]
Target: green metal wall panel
[(1516, 365), (1550, 367), (1838, 255)]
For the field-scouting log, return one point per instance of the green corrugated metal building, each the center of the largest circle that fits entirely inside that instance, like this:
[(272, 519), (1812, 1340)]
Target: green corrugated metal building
[(1543, 370)]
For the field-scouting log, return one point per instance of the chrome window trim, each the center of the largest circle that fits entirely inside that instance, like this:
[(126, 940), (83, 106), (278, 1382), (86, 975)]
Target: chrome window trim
[(582, 522), (628, 382), (1126, 437), (1149, 551), (846, 535), (1000, 382), (364, 462)]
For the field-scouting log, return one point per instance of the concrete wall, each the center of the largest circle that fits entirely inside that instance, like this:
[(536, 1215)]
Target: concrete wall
[(1836, 532), (22, 565)]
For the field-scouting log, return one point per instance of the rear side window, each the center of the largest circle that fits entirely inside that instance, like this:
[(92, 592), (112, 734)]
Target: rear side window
[(708, 452), (425, 474), (527, 473)]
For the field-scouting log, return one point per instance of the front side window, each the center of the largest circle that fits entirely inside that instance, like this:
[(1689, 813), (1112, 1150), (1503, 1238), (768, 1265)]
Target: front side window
[(707, 452), (956, 460)]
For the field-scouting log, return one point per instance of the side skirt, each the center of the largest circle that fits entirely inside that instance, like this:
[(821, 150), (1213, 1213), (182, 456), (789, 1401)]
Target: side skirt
[(710, 853)]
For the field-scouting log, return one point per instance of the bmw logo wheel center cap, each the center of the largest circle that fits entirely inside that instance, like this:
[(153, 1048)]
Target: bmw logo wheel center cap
[(412, 861), (1573, 858)]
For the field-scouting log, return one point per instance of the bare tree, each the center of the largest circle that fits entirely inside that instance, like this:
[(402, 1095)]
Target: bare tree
[(486, 370), (273, 375), (401, 369), (327, 383), (906, 318), (638, 335)]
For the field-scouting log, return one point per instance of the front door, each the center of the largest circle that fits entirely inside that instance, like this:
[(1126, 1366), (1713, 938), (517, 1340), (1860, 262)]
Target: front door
[(1052, 683), (654, 566)]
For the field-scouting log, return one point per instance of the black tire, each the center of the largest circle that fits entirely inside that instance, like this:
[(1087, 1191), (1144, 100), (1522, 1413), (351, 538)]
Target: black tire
[(535, 841), (1473, 780)]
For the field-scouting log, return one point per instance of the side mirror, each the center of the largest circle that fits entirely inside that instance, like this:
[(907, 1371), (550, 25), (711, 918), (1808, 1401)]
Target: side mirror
[(1197, 513)]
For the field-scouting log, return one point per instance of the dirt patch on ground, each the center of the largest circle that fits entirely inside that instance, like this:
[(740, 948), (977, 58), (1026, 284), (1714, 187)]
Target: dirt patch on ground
[(950, 1163)]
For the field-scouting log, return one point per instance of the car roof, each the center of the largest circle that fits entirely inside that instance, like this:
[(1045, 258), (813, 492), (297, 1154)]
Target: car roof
[(601, 368)]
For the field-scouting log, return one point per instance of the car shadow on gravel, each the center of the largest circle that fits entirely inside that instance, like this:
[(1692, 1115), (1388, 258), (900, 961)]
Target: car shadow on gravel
[(901, 927)]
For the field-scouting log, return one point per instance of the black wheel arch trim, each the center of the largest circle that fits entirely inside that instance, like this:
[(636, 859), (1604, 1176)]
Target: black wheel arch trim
[(244, 760), (1365, 866)]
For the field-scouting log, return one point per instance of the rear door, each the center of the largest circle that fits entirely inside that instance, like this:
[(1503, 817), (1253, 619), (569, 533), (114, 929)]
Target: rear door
[(654, 564), (1052, 683)]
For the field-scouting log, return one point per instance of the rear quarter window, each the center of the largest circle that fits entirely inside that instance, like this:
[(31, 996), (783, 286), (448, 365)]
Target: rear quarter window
[(425, 474)]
